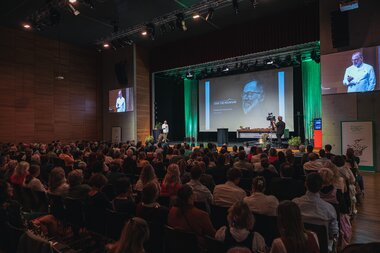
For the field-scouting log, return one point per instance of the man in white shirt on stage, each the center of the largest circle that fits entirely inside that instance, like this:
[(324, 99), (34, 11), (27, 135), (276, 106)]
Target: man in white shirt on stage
[(120, 102), (359, 77), (165, 131)]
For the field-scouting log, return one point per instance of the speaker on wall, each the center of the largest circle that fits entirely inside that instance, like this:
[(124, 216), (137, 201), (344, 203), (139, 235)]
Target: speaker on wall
[(121, 72), (340, 33)]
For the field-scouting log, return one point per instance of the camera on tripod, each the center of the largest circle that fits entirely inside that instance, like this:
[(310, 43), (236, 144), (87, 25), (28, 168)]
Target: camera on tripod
[(271, 117)]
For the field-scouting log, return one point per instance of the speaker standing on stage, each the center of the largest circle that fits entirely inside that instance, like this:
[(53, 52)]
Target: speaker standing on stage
[(280, 128), (165, 131)]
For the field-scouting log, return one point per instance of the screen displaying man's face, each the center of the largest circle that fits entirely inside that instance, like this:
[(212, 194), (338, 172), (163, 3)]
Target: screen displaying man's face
[(251, 96), (357, 59)]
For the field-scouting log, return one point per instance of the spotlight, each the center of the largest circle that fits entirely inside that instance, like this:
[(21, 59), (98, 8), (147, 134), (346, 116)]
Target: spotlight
[(144, 33), (106, 45), (196, 16), (150, 30), (72, 1), (73, 10), (189, 75), (210, 13), (27, 26), (225, 68), (181, 24), (269, 62), (235, 5)]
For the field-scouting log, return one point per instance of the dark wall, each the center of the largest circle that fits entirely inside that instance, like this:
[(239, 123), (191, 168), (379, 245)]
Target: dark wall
[(169, 103), (280, 30), (34, 105)]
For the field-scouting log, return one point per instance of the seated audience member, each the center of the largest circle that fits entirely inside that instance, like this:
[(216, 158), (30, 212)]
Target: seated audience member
[(234, 152), (67, 157), (272, 156), (124, 201), (114, 173), (57, 182), (305, 157), (328, 149), (260, 203), (313, 208), (186, 217), (257, 158), (130, 164), (158, 164), (242, 164), (147, 175), (239, 230), (294, 238), (286, 187), (251, 153), (206, 179), (301, 152), (171, 182), (227, 194), (201, 192), (10, 169), (77, 189), (267, 170), (32, 180), (322, 156), (219, 173), (19, 175), (239, 250), (149, 209), (328, 192), (184, 175), (97, 203), (313, 164), (135, 233), (141, 161)]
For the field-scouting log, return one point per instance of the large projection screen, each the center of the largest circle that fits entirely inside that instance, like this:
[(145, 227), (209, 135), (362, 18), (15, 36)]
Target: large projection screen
[(245, 100)]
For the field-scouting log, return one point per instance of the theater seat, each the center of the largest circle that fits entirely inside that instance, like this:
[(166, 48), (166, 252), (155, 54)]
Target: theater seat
[(176, 241)]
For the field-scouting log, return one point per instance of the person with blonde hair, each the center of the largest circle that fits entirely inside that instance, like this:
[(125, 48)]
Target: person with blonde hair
[(328, 192), (172, 182), (20, 173), (239, 230), (147, 175), (135, 233)]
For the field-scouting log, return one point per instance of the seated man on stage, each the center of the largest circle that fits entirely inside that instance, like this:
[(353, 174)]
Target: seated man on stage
[(280, 129)]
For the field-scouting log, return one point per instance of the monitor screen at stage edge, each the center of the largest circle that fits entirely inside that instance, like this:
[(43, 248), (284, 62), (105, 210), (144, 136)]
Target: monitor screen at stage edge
[(351, 71), (244, 100), (121, 100)]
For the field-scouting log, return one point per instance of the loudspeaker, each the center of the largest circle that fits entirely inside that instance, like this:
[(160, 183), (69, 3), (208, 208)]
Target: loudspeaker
[(340, 33), (121, 72)]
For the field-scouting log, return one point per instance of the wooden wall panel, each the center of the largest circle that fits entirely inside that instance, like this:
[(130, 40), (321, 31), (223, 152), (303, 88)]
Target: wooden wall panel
[(34, 105), (143, 92)]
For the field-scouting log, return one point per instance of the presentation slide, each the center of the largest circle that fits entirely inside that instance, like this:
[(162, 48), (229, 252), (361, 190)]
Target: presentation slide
[(350, 71), (245, 100), (121, 100)]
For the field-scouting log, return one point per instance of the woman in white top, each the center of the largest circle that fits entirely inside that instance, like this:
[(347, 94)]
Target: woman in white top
[(293, 236), (239, 230), (260, 203)]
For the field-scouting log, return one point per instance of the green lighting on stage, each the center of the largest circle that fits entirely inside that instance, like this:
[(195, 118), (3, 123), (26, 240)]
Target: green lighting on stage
[(312, 99), (191, 107)]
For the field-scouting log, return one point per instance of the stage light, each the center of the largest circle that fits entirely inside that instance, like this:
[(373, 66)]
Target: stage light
[(72, 1), (225, 68), (181, 24), (150, 31), (269, 62), (144, 33), (73, 10), (235, 5), (210, 13), (106, 45), (189, 75), (196, 16), (27, 26)]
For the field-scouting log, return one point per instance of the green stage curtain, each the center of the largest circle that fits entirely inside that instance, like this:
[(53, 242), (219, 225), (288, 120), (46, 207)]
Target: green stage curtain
[(191, 108), (312, 100)]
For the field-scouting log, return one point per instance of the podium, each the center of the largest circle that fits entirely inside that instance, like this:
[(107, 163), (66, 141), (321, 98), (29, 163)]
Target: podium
[(156, 134), (222, 136)]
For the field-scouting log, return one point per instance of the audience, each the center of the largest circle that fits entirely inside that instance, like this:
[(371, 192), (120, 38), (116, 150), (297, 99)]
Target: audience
[(313, 164), (32, 180), (77, 190), (258, 202), (172, 182), (201, 192), (147, 175), (239, 230), (57, 182), (227, 194), (19, 175), (124, 201), (294, 238)]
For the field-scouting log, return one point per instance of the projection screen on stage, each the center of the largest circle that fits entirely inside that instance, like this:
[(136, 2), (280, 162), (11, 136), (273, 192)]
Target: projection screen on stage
[(245, 100)]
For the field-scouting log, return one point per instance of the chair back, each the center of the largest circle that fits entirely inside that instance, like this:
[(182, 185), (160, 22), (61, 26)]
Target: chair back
[(201, 205), (267, 227), (42, 202), (56, 206), (180, 241), (218, 216), (28, 200), (115, 222), (246, 184), (372, 247), (109, 191), (11, 236), (322, 234), (212, 245), (164, 201), (74, 212)]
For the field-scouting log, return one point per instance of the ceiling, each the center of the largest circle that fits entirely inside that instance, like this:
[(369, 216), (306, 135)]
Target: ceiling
[(95, 23)]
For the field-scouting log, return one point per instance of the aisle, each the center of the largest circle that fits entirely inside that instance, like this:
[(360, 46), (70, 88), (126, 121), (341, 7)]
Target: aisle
[(366, 227)]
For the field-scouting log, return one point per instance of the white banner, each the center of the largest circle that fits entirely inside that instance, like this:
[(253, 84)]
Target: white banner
[(359, 136)]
